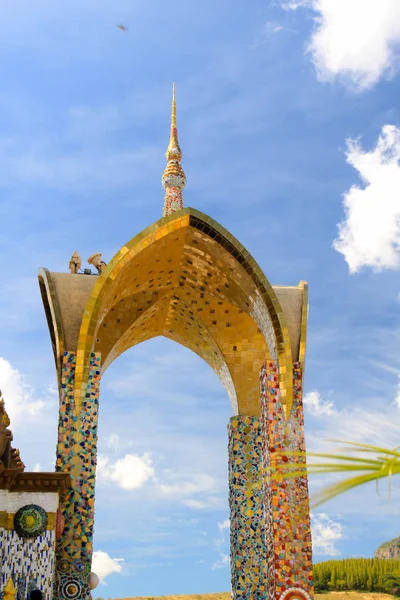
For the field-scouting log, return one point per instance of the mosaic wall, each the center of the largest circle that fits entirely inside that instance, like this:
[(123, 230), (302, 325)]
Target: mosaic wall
[(291, 571), (30, 562), (246, 499), (76, 453), (27, 541)]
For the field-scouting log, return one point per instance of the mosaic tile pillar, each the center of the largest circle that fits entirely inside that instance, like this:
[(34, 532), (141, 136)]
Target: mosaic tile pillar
[(76, 453), (290, 571), (246, 503)]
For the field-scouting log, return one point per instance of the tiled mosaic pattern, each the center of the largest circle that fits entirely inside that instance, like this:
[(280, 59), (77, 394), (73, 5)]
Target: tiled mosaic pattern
[(246, 498), (30, 562), (76, 453), (173, 199), (288, 496)]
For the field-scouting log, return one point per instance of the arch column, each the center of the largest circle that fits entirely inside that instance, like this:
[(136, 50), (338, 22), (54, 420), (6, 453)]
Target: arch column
[(250, 547), (286, 498), (77, 454), (271, 553)]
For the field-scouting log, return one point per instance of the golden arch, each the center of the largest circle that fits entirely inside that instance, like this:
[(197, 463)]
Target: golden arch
[(187, 278)]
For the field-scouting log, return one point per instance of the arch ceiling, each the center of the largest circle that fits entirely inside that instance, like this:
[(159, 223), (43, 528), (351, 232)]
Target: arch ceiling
[(186, 278)]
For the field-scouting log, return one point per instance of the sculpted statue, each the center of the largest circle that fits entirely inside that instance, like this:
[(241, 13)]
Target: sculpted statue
[(95, 260), (5, 438), (75, 262), (9, 456), (15, 460)]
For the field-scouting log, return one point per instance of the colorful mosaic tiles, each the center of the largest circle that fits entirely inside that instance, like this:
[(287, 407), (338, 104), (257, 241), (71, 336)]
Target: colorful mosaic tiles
[(246, 496), (72, 579), (173, 199), (270, 524), (295, 594), (29, 562), (288, 495), (30, 521), (76, 453)]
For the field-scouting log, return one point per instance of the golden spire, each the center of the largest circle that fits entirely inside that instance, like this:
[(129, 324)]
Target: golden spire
[(173, 110), (173, 178)]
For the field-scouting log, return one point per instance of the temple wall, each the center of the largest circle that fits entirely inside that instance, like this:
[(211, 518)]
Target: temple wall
[(291, 572), (29, 561)]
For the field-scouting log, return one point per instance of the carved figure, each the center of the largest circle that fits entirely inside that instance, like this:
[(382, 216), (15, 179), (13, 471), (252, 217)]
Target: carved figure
[(15, 460), (75, 262), (95, 260), (9, 456), (5, 437)]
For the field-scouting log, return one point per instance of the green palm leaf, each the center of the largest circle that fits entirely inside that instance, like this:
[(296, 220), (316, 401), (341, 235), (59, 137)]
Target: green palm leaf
[(385, 464)]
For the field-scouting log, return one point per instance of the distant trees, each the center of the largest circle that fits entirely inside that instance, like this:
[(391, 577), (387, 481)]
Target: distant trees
[(361, 574)]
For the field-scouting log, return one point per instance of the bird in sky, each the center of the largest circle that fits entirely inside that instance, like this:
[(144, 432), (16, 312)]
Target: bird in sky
[(122, 27)]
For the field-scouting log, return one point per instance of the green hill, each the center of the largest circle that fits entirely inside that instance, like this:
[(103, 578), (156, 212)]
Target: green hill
[(389, 549)]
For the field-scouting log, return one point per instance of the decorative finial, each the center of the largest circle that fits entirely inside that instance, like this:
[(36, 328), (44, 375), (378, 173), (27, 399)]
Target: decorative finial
[(97, 262), (173, 179), (9, 592), (75, 262)]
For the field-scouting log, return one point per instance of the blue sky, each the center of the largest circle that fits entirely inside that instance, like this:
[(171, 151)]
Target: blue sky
[(269, 95)]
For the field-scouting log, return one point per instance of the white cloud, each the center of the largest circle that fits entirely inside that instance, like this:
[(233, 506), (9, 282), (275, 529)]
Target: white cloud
[(129, 473), (196, 504), (18, 396), (224, 525), (267, 31), (355, 39), (37, 468), (325, 532), (223, 562), (114, 442), (103, 565), (221, 543), (370, 232), (271, 27), (397, 398), (374, 423), (315, 404), (200, 484)]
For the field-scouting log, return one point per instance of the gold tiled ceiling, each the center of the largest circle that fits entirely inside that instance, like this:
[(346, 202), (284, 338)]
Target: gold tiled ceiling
[(184, 277), (187, 287)]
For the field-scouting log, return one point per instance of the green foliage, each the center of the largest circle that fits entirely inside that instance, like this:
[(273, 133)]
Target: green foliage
[(385, 464), (361, 574), (371, 463)]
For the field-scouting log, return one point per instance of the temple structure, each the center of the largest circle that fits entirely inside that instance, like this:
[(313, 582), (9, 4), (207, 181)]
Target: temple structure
[(30, 521), (187, 278)]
